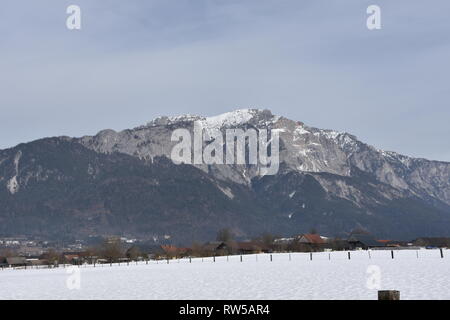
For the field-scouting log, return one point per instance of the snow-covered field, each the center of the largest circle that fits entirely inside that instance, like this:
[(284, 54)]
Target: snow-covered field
[(417, 274)]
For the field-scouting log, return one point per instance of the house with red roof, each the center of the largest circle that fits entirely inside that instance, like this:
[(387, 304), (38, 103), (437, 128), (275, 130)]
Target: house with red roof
[(310, 238)]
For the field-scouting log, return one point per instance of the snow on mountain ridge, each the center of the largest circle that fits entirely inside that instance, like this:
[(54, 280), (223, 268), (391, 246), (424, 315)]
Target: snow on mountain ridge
[(303, 149), (227, 119)]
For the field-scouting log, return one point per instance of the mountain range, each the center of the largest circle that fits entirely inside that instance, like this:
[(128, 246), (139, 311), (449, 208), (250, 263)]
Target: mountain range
[(124, 183)]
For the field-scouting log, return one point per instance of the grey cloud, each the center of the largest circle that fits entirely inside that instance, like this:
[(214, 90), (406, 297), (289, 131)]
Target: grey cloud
[(309, 60)]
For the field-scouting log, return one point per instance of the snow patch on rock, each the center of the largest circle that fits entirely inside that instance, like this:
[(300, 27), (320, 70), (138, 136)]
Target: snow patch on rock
[(226, 191), (13, 185)]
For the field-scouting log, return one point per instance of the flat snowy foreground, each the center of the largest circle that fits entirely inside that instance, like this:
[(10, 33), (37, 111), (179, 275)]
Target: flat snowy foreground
[(419, 274)]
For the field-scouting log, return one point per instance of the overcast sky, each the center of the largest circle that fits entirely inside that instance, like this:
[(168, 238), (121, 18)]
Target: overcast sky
[(309, 60)]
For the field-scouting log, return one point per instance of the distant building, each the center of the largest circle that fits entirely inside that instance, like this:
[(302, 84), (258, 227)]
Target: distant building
[(71, 258), (441, 242), (283, 240), (364, 241), (30, 251), (310, 238), (16, 262), (214, 246), (251, 247), (175, 252), (37, 262)]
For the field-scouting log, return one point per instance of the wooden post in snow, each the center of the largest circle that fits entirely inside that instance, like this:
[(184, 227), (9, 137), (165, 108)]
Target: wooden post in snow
[(388, 295), (392, 254), (349, 255), (442, 253)]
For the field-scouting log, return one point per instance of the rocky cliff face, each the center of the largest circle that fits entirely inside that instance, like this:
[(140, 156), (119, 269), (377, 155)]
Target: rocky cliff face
[(304, 149), (327, 179)]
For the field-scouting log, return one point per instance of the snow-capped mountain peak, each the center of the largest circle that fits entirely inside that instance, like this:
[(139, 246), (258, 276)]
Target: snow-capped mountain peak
[(225, 120)]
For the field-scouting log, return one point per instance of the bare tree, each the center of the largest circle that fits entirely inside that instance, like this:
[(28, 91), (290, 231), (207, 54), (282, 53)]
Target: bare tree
[(51, 256), (133, 253), (268, 239), (196, 249), (112, 250), (225, 235)]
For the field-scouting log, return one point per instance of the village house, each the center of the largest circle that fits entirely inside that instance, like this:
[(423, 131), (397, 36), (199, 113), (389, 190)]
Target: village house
[(215, 247), (15, 262), (310, 238), (71, 258), (437, 242), (30, 251), (284, 241), (364, 241), (251, 247), (171, 251)]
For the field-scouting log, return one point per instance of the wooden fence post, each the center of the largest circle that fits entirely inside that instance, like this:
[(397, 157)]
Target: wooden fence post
[(388, 295), (310, 256), (349, 255), (241, 258), (442, 253), (270, 258), (392, 254)]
